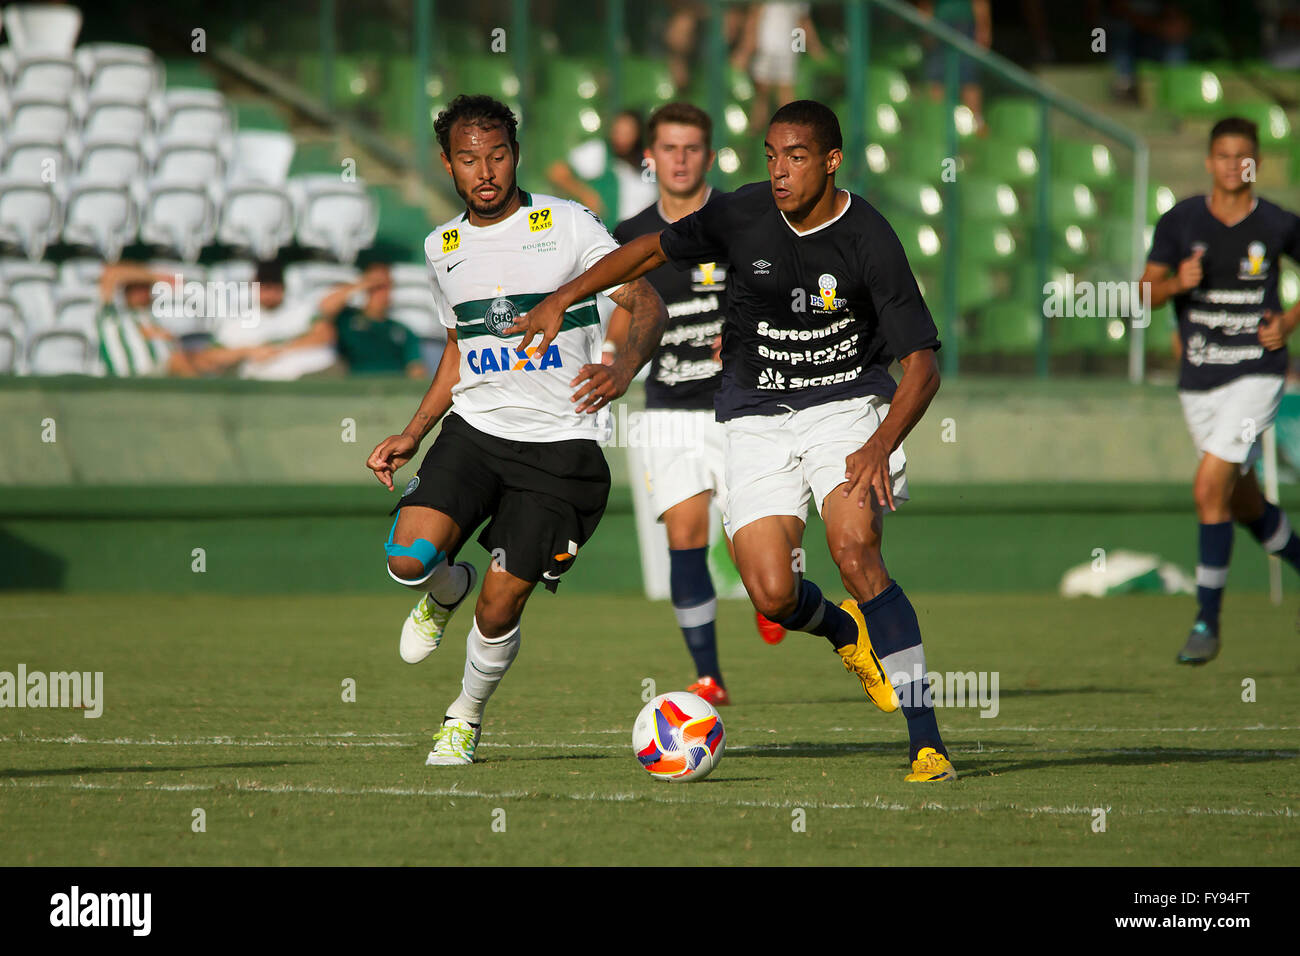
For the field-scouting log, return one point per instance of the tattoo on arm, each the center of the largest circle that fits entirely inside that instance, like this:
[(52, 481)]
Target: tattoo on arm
[(649, 317)]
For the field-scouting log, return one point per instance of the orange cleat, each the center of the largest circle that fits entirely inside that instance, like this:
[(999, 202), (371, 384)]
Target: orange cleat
[(769, 631), (708, 689)]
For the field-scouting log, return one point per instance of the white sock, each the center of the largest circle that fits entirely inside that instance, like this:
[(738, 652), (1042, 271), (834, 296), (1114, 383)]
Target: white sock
[(448, 583), (486, 661)]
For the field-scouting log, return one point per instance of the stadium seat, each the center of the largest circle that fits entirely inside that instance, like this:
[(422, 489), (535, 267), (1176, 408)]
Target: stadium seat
[(911, 195), (886, 84), (1084, 161), (80, 274), (30, 286), (1006, 160), (60, 352), (39, 114), (261, 156), (1188, 89), (422, 320), (1271, 119), (311, 280), (257, 217), (119, 70), (34, 157), (29, 214), (646, 82), (933, 121), (335, 216), (77, 312), (108, 116), (41, 27), (111, 158), (921, 241), (11, 345), (180, 217), (1009, 328), (1160, 199), (988, 200), (51, 74), (988, 244), (231, 270), (100, 216), (883, 124), (192, 114), (181, 159), (409, 274), (1017, 121), (569, 79), (488, 74)]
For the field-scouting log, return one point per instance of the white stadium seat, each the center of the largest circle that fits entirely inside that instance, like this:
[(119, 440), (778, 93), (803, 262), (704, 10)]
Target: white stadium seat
[(11, 348), (39, 114), (52, 74), (312, 280), (181, 217), (232, 270), (185, 159), (256, 217), (409, 274), (335, 216), (60, 352), (421, 320), (80, 273), (111, 159), (33, 297), (29, 214), (261, 156), (119, 70), (42, 27), (109, 116), (78, 312), (35, 156), (100, 216), (193, 114)]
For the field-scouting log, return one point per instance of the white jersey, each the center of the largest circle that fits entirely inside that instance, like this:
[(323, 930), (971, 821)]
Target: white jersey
[(484, 278)]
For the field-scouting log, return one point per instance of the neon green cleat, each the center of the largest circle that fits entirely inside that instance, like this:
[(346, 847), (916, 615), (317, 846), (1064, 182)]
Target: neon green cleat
[(454, 743), (422, 630)]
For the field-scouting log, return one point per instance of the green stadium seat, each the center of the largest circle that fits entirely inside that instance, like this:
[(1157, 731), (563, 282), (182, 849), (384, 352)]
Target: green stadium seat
[(565, 78), (888, 85), (355, 79), (646, 83), (988, 199), (1160, 199), (1002, 159), (1015, 120), (986, 244), (1070, 243), (933, 121), (1085, 161), (1274, 126), (883, 123), (552, 127), (1008, 328), (490, 74), (922, 243), (902, 52), (911, 195), (1069, 202), (1188, 90)]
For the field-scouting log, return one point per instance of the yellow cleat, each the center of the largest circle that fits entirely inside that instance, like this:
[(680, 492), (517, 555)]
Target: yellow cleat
[(930, 766), (861, 659)]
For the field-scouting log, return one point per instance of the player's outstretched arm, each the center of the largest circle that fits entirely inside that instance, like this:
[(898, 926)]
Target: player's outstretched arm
[(396, 450), (867, 469), (598, 385), (622, 265)]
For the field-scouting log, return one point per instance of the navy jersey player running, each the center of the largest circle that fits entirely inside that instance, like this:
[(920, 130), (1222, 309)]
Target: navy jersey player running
[(684, 462), (518, 447), (821, 301), (1216, 257)]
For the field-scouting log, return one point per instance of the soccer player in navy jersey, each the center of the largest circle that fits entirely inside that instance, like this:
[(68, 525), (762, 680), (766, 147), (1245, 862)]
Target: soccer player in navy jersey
[(822, 300), (1216, 257)]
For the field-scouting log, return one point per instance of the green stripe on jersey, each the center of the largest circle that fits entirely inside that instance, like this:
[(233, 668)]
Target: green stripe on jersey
[(469, 315)]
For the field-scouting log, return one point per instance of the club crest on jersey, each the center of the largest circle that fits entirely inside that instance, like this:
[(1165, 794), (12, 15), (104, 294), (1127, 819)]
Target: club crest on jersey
[(411, 485), (500, 316), (826, 289), (505, 359), (1254, 266), (771, 378)]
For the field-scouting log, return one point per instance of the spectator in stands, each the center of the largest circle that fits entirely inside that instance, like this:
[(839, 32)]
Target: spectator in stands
[(280, 323), (607, 176), (367, 339), (769, 48), (974, 19), (131, 340), (1144, 29)]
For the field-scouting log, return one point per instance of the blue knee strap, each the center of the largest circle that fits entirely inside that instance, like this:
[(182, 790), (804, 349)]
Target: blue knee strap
[(422, 549)]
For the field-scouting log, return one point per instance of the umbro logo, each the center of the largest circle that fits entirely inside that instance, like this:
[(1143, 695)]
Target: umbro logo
[(761, 267), (453, 265)]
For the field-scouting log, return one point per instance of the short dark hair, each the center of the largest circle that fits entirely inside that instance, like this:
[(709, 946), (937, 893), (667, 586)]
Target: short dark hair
[(1235, 126), (818, 117), (270, 272), (477, 110), (686, 114)]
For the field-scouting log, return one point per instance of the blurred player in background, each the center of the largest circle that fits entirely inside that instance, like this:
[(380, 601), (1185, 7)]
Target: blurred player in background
[(821, 301), (1217, 257), (684, 463), (518, 449), (607, 175)]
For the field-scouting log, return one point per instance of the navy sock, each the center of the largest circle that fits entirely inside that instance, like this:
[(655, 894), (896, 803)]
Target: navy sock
[(1212, 570), (696, 605), (896, 637), (816, 615), (1273, 531)]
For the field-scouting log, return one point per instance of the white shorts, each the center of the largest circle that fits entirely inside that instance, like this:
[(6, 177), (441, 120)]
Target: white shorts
[(1227, 421), (683, 455), (774, 67), (776, 462)]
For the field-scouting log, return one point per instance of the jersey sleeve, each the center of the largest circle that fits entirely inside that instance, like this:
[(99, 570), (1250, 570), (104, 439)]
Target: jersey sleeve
[(592, 241), (904, 317), (699, 237), (446, 314), (1292, 246), (1164, 242)]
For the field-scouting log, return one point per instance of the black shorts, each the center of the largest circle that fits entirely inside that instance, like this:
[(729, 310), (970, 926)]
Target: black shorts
[(541, 500)]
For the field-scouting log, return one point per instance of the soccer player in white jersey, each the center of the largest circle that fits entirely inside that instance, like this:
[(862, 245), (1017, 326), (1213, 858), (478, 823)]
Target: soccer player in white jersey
[(518, 447), (1216, 257), (821, 302)]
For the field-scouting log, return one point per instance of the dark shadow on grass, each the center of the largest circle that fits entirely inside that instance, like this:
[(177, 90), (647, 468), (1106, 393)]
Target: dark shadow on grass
[(804, 748), (156, 768), (1127, 690), (1120, 757)]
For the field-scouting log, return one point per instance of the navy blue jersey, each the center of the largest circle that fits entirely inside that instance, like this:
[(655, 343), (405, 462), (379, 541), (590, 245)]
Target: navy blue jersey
[(683, 372), (812, 317), (1218, 321)]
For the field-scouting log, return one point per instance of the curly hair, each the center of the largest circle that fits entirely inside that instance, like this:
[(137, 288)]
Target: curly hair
[(477, 110)]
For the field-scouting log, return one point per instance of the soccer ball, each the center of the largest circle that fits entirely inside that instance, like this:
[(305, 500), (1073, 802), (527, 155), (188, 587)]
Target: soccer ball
[(678, 737)]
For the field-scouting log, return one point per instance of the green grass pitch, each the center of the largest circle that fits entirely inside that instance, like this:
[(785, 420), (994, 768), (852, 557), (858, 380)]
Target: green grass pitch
[(234, 705)]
